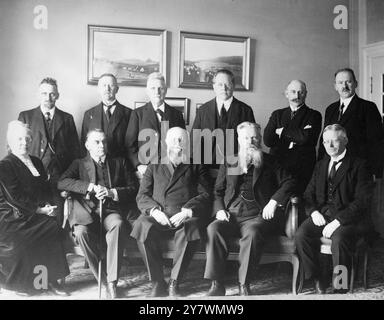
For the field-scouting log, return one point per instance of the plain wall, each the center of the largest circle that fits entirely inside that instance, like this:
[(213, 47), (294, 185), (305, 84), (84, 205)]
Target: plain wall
[(375, 21), (290, 39)]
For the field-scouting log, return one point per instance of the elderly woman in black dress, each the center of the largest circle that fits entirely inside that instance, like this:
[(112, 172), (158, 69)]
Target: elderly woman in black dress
[(31, 254)]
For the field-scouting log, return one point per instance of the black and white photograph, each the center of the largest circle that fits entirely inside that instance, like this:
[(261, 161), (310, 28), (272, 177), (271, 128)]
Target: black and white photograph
[(204, 153)]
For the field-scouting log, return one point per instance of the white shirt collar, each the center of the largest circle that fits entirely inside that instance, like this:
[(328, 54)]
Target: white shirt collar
[(161, 107), (227, 103), (113, 104), (51, 111), (295, 109), (340, 156), (101, 158), (346, 102)]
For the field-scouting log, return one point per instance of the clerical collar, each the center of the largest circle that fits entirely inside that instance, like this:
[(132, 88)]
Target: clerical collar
[(339, 157), (227, 103), (346, 102), (51, 111), (97, 160), (297, 108)]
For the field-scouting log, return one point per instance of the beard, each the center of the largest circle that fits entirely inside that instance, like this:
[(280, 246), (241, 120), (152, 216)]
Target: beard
[(176, 156), (250, 155)]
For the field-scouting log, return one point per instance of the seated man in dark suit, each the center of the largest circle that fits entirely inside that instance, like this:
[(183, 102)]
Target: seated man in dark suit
[(150, 122), (172, 198), (248, 201), (336, 200), (99, 177)]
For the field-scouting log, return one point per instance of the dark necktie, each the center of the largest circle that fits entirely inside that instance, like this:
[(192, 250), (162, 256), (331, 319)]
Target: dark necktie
[(161, 113), (108, 112), (332, 173), (293, 113), (100, 163), (223, 115), (48, 119), (340, 112)]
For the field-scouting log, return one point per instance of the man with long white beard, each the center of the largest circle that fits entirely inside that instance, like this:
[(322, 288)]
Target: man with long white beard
[(172, 198), (249, 202)]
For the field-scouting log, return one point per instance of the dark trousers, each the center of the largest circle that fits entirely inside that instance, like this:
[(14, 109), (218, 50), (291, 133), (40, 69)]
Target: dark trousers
[(89, 240), (253, 233), (344, 240), (151, 249)]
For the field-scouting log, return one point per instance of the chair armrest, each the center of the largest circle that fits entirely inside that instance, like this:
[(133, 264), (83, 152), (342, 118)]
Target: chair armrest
[(292, 222)]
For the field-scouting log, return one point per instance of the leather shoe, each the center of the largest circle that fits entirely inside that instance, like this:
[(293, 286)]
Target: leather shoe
[(159, 289), (111, 287), (57, 289), (340, 291), (173, 288), (319, 287), (244, 289), (217, 289)]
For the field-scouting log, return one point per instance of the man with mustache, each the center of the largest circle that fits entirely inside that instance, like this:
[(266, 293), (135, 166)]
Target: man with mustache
[(360, 118), (249, 202), (292, 134), (173, 200)]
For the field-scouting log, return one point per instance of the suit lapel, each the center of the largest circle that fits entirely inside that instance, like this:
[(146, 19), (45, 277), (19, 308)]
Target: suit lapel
[(152, 117), (211, 119), (323, 181), (179, 171), (97, 118), (350, 110), (233, 114), (340, 173), (57, 122), (298, 119), (256, 175), (90, 168), (116, 117), (38, 121)]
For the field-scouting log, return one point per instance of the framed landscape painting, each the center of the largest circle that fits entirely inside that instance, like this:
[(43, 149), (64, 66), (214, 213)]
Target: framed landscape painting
[(201, 55), (128, 53)]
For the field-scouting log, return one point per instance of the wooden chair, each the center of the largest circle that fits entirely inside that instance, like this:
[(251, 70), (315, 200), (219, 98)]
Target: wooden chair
[(362, 249)]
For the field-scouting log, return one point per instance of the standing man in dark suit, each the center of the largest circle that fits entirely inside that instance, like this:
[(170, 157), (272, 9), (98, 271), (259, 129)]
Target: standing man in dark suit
[(360, 118), (337, 200), (55, 141), (151, 121), (100, 177), (109, 115), (221, 113), (173, 199), (248, 202), (292, 134)]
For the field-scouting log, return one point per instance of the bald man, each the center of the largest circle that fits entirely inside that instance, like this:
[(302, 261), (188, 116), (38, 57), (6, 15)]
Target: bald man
[(172, 199), (292, 134)]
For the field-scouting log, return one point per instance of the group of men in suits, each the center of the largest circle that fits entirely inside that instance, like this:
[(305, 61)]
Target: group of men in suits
[(119, 145)]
